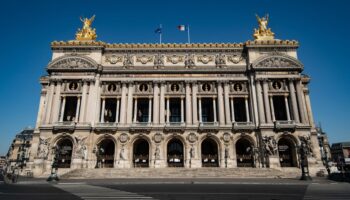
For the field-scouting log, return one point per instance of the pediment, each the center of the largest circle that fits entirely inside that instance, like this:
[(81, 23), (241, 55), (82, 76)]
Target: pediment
[(277, 62), (72, 63)]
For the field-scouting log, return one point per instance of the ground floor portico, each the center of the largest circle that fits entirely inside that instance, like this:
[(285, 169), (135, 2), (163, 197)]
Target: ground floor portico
[(155, 149)]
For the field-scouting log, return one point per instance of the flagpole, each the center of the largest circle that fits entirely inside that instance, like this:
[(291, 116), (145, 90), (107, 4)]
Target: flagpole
[(188, 34), (160, 35)]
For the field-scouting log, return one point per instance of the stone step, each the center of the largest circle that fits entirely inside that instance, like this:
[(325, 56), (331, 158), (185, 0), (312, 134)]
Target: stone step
[(182, 173)]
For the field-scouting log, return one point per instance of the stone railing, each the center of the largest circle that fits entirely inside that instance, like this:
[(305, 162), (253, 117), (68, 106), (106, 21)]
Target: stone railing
[(243, 126), (285, 125)]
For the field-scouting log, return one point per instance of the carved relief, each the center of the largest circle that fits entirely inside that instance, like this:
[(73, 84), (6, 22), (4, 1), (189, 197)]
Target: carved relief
[(189, 61), (72, 63), (306, 140), (114, 59), (174, 59), (123, 137), (159, 61), (192, 137), (205, 59), (81, 148), (220, 60), (158, 137), (276, 62), (270, 145), (235, 59), (44, 145), (128, 61), (226, 137), (144, 59)]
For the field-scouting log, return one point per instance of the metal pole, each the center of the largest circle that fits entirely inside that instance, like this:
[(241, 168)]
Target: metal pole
[(188, 34), (160, 35)]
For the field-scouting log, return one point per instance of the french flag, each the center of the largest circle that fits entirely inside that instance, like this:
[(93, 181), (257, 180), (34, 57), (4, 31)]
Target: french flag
[(182, 27)]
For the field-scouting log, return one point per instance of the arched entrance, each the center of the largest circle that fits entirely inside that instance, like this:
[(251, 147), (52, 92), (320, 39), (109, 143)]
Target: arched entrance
[(141, 153), (105, 154), (65, 153), (210, 156), (287, 153), (244, 152), (175, 153)]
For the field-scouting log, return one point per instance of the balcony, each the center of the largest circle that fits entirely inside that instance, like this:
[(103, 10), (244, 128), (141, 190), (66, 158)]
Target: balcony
[(175, 126), (243, 126), (141, 127), (106, 126), (208, 126), (68, 126), (285, 125)]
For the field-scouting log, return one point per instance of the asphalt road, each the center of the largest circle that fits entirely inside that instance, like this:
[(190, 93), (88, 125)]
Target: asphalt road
[(269, 189)]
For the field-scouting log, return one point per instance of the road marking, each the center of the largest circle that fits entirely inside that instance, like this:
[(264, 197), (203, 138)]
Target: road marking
[(90, 192)]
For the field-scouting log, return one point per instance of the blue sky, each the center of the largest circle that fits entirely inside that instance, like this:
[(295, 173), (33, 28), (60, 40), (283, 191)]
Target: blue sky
[(28, 27)]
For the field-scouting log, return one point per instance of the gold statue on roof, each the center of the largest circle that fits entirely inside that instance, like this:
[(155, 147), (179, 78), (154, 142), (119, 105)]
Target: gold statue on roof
[(86, 33), (263, 33)]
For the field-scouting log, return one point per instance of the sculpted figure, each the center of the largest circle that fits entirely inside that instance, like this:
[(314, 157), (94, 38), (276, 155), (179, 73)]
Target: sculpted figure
[(192, 152), (263, 22), (80, 145), (87, 22), (122, 154), (44, 145), (157, 153)]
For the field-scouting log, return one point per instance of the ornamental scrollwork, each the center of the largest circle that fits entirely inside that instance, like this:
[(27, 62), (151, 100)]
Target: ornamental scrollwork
[(220, 60), (205, 59), (128, 61), (159, 61), (114, 59), (174, 59), (235, 59), (189, 61), (144, 59), (72, 62)]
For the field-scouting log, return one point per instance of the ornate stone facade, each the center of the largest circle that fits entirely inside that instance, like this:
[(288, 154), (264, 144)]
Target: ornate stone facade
[(174, 105)]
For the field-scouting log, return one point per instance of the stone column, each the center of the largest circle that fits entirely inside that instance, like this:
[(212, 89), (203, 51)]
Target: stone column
[(227, 103), (83, 102), (272, 109), (247, 109), (194, 103), (89, 117), (129, 103), (162, 104), (167, 110), (56, 102), (232, 111), (260, 102), (49, 103), (40, 109), (254, 100), (214, 109), (135, 110), (200, 109), (97, 98), (62, 108), (287, 107), (102, 117), (182, 110), (77, 111), (294, 101), (266, 100), (188, 104), (156, 103), (300, 101), (149, 110), (117, 111), (221, 104), (123, 104), (309, 110)]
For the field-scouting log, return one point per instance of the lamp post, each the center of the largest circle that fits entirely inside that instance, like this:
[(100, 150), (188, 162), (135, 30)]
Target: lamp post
[(54, 168), (305, 176)]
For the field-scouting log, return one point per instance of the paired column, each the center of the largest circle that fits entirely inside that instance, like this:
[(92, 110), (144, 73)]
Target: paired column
[(266, 100), (135, 110), (247, 109), (129, 106), (56, 102), (162, 104), (149, 110), (182, 110), (62, 108), (260, 102), (167, 110), (83, 102), (232, 111), (200, 109), (294, 100), (188, 104), (221, 105), (227, 103), (194, 104), (300, 102), (123, 104), (102, 117), (214, 109), (272, 109), (156, 103), (77, 110), (49, 102), (287, 107), (117, 111)]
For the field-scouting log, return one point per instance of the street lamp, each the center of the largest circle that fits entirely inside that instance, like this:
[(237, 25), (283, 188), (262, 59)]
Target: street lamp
[(54, 168), (305, 176)]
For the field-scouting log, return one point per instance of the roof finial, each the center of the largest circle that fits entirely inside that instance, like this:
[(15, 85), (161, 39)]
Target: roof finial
[(86, 33), (263, 33)]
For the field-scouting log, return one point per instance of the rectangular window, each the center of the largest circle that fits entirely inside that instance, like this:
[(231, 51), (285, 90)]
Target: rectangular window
[(239, 108), (175, 109), (207, 110), (110, 110), (70, 109), (142, 110), (279, 106)]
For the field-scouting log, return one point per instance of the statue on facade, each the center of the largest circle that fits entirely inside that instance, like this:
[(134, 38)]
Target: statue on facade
[(159, 61), (263, 33), (122, 154), (189, 61), (157, 153), (44, 146), (192, 152), (220, 60), (306, 141), (80, 147), (128, 61), (86, 33), (227, 153), (270, 145)]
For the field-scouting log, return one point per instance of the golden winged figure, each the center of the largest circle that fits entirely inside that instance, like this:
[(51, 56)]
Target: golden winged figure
[(86, 33)]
